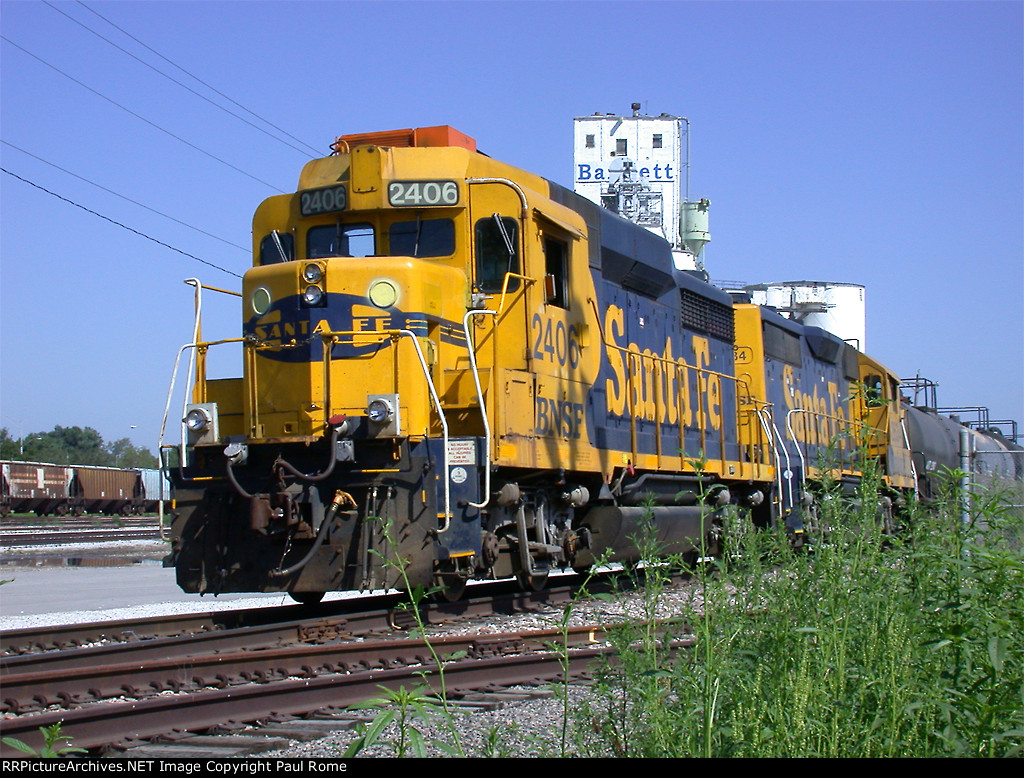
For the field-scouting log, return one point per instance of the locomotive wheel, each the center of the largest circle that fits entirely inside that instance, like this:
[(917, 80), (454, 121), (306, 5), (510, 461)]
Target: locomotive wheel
[(450, 585), (306, 598), (534, 582), (450, 588)]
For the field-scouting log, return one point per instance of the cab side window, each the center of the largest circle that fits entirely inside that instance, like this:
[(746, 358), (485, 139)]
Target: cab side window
[(277, 247), (874, 391), (497, 252), (556, 269)]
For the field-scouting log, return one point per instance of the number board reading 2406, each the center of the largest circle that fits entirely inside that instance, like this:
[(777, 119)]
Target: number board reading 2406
[(412, 194), (327, 200)]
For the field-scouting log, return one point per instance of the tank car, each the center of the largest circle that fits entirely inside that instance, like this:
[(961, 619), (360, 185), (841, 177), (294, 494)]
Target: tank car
[(456, 369), (937, 448)]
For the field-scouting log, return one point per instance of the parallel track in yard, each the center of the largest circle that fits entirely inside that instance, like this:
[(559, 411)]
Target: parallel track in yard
[(356, 616), (59, 537)]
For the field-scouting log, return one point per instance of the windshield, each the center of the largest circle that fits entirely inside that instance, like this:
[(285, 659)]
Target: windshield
[(422, 238), (340, 240)]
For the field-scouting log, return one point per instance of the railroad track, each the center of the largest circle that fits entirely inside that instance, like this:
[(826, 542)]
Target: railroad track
[(32, 686), (354, 617), (110, 697), (18, 532), (58, 537), (489, 662), (159, 678)]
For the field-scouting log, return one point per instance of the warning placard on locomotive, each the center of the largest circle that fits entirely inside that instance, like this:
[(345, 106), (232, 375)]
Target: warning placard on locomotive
[(461, 452)]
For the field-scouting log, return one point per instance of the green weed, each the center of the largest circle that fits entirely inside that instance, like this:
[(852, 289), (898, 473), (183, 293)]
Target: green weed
[(51, 736)]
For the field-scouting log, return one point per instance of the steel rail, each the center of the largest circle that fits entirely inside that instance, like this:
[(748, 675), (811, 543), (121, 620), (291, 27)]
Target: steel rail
[(24, 692), (104, 724), (325, 621)]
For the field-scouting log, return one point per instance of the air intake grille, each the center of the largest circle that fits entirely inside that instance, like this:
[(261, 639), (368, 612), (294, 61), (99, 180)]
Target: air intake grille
[(704, 315)]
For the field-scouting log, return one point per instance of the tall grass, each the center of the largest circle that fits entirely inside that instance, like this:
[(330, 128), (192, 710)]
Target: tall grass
[(867, 645)]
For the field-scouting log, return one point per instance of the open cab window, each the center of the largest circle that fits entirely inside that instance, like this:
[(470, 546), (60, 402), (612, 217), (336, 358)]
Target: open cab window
[(556, 265), (497, 253)]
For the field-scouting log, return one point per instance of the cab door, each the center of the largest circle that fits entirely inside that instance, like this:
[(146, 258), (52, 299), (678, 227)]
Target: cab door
[(500, 336)]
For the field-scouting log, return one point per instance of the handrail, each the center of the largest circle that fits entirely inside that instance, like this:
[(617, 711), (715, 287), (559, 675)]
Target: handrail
[(511, 185), (170, 392), (471, 350), (913, 467), (789, 468), (855, 425), (380, 335), (504, 289), (764, 413), (194, 282)]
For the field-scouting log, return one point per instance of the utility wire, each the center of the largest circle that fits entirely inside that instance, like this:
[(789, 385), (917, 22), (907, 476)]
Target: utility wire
[(137, 116), (316, 152), (123, 226), (130, 200), (183, 86)]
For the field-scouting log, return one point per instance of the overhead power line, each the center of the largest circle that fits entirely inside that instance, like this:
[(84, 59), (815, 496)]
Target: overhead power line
[(174, 80), (139, 117), (119, 224), (128, 199), (316, 152)]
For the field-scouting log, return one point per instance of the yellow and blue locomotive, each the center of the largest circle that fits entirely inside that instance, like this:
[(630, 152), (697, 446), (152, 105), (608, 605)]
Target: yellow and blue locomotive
[(455, 369)]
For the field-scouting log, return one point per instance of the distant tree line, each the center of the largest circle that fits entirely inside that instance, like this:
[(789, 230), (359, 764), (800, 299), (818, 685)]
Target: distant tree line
[(74, 446)]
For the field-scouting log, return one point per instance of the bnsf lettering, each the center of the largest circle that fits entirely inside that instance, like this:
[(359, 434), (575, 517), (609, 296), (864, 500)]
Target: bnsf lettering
[(558, 418)]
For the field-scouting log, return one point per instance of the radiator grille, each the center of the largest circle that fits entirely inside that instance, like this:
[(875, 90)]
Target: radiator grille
[(704, 315)]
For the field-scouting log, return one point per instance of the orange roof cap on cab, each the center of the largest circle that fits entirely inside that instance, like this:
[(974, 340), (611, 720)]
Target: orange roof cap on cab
[(443, 135)]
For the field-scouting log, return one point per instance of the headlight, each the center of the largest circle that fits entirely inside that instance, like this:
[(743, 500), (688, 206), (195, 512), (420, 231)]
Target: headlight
[(312, 296), (379, 411), (260, 301), (312, 273), (197, 419), (383, 294)]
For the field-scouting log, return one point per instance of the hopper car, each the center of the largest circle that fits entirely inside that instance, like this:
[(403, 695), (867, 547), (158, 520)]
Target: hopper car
[(59, 490)]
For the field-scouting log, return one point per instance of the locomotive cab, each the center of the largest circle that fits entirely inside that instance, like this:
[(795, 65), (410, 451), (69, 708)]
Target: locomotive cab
[(883, 434)]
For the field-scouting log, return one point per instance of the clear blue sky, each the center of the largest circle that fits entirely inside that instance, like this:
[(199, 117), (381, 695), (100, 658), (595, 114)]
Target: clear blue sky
[(874, 143)]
